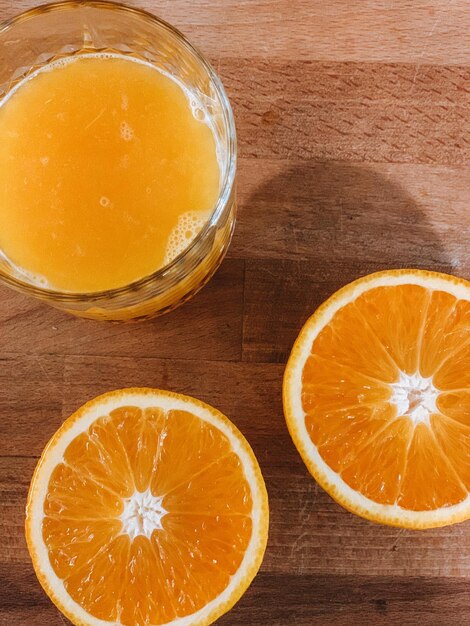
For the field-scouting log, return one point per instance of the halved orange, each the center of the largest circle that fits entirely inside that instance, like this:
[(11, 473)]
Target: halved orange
[(377, 397), (146, 507)]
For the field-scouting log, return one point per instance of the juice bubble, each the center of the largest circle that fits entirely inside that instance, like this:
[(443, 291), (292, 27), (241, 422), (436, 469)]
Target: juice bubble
[(199, 114), (188, 227), (127, 133), (34, 279), (124, 102)]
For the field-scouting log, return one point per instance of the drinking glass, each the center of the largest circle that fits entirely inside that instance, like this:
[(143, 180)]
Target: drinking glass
[(51, 32)]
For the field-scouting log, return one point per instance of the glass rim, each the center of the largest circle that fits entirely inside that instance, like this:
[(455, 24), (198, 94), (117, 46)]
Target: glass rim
[(226, 187)]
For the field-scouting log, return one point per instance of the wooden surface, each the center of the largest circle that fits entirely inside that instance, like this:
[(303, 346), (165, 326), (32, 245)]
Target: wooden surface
[(354, 133)]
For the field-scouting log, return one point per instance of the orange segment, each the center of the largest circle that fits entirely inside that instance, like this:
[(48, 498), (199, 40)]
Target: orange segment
[(446, 331), (198, 548), (154, 512), (143, 599), (376, 469), (72, 545), (429, 480), (97, 586), (74, 495), (189, 581), (340, 434), (454, 373), (455, 405), (396, 316), (140, 432), (197, 442), (219, 489), (377, 397), (220, 541), (100, 455), (371, 359), (328, 385), (441, 332), (454, 440)]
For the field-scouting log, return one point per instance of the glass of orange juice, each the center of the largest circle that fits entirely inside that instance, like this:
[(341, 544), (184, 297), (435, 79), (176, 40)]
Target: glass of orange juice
[(117, 161)]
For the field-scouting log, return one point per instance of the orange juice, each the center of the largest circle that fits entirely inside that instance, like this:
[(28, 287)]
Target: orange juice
[(108, 170)]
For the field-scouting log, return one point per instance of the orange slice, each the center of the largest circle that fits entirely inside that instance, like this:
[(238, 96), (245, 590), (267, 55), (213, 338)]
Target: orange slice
[(146, 507), (377, 397)]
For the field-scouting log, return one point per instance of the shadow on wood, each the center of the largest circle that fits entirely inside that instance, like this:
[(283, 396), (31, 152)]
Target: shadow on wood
[(332, 222), (280, 599)]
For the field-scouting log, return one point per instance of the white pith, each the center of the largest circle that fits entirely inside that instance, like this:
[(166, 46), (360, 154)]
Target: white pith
[(391, 514), (415, 396), (143, 513), (53, 455)]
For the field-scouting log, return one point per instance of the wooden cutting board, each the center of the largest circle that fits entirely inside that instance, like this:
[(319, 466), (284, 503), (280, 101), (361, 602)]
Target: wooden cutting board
[(354, 130)]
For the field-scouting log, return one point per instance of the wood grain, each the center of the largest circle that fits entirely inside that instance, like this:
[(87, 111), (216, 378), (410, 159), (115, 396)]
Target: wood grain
[(354, 142), (216, 330), (418, 31), (351, 111), (329, 211), (332, 601)]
